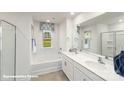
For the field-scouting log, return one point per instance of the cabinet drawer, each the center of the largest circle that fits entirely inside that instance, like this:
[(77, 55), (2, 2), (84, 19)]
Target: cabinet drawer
[(80, 76), (90, 74)]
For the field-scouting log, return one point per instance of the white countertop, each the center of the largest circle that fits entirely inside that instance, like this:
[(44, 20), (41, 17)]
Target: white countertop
[(105, 71)]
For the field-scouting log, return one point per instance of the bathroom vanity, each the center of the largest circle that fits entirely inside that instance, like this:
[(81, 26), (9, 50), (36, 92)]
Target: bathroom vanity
[(85, 67)]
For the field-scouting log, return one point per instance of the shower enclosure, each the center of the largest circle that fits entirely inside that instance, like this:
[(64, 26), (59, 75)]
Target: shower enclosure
[(112, 43), (7, 51)]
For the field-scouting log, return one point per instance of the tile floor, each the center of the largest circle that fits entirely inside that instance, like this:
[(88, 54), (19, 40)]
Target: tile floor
[(54, 76)]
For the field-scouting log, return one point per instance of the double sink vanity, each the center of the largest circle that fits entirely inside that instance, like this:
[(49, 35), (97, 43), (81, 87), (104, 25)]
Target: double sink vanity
[(86, 67), (99, 40)]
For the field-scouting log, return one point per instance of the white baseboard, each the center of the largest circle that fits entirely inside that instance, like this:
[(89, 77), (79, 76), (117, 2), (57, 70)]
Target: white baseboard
[(45, 68)]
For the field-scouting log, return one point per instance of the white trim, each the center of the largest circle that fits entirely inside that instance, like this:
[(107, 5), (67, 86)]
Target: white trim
[(45, 71)]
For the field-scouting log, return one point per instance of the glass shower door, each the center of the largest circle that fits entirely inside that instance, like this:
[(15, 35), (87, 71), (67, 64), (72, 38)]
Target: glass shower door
[(108, 44), (119, 41), (8, 51)]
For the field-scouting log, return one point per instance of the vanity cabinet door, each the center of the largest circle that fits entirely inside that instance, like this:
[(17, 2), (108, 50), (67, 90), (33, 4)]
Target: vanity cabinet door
[(64, 66), (80, 76), (88, 73), (70, 70), (67, 68)]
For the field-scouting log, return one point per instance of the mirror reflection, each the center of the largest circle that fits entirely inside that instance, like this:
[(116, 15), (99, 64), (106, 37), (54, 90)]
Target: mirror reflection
[(103, 35)]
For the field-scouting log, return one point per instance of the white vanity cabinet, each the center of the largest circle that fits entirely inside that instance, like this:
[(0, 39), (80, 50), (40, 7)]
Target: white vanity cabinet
[(67, 67), (86, 75), (80, 76), (76, 72)]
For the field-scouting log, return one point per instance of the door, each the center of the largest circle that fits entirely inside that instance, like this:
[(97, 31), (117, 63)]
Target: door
[(8, 51), (67, 68), (80, 76)]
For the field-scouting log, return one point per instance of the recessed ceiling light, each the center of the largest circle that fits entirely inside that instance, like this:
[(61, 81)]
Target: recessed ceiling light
[(120, 20), (48, 21), (72, 13)]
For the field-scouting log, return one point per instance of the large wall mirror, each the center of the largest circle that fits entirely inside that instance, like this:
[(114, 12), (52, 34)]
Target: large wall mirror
[(103, 35)]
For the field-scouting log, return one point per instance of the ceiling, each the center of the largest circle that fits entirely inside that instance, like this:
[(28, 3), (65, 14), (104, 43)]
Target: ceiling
[(54, 17)]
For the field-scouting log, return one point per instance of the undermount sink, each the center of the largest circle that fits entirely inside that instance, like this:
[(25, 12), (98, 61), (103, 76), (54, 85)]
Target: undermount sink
[(96, 65)]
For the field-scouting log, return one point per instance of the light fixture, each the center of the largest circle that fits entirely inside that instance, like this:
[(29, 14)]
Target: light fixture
[(72, 13), (48, 21), (120, 20)]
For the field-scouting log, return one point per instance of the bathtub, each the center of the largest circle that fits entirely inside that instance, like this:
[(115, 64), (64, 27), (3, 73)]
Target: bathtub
[(41, 65)]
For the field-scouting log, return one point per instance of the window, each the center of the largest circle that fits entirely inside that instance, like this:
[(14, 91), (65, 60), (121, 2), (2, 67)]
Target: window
[(47, 29), (87, 39), (46, 39)]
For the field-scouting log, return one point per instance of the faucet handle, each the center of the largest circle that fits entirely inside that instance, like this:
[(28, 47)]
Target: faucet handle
[(100, 60)]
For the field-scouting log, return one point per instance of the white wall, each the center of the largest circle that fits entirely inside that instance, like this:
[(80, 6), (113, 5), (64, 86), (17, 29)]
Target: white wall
[(62, 35), (45, 54), (116, 26), (69, 33), (23, 41), (66, 34)]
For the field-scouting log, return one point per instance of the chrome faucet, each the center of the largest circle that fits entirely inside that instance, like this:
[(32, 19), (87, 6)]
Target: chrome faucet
[(74, 50), (100, 60)]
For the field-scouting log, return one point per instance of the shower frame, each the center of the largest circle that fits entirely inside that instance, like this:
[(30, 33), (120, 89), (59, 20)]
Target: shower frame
[(114, 41), (14, 50)]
